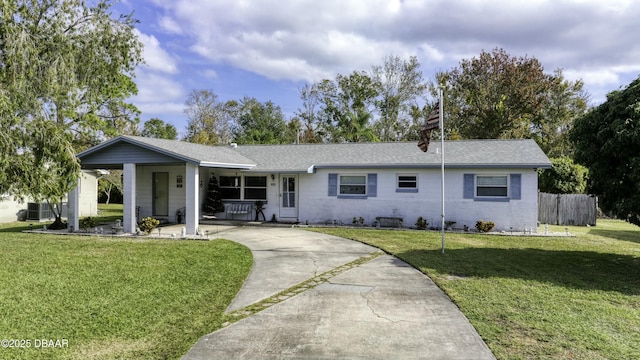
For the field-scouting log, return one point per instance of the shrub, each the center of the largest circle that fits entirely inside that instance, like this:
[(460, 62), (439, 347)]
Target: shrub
[(147, 224), (422, 223), (564, 177), (87, 223), (485, 226)]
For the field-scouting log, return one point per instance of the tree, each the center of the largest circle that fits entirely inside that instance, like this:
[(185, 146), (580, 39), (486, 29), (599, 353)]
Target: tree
[(110, 185), (65, 72), (607, 141), (493, 96), (294, 130), (355, 126), (565, 102), (213, 203), (156, 128), (209, 119), (345, 103), (400, 86), (260, 123), (310, 122), (564, 177)]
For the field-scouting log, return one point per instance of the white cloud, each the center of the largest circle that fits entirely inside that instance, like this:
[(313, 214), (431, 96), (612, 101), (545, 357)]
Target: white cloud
[(293, 41), (599, 77), (311, 40), (158, 92), (155, 56), (159, 109), (210, 73), (320, 37), (170, 25)]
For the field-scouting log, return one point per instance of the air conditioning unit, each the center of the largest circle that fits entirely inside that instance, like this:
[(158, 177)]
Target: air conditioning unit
[(41, 211)]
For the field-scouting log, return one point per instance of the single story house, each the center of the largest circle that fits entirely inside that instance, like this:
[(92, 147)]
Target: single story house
[(490, 180), (12, 210)]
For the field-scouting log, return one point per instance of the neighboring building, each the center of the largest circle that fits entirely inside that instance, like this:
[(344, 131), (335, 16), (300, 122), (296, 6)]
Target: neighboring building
[(12, 210), (491, 180)]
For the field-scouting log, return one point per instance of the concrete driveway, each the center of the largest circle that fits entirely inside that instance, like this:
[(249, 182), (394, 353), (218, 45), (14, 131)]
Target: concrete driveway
[(381, 309)]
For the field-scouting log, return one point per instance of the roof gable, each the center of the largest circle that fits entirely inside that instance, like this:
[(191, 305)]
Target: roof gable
[(142, 150)]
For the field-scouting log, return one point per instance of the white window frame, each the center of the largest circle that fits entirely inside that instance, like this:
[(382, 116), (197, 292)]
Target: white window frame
[(242, 186), (364, 184), (506, 186), (404, 188)]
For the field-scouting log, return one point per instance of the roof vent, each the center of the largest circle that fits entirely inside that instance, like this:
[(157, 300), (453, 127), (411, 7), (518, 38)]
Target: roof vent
[(233, 145)]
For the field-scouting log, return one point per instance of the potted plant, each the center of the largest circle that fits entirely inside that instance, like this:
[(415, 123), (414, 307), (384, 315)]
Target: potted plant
[(422, 223)]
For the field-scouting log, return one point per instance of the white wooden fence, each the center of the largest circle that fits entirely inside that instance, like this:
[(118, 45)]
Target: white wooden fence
[(567, 209)]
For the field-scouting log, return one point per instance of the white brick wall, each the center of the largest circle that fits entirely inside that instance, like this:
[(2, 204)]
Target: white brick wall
[(317, 207)]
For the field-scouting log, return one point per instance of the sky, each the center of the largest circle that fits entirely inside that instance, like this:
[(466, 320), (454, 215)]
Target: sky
[(269, 49)]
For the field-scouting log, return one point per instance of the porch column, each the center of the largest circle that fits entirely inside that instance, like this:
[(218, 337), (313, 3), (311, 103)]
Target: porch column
[(73, 208), (129, 211), (192, 198)]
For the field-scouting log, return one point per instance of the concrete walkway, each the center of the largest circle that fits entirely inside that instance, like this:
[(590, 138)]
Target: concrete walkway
[(382, 309)]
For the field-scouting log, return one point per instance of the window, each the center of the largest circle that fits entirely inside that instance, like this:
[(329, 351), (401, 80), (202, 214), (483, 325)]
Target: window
[(255, 188), (353, 185), (230, 187), (492, 186), (407, 183)]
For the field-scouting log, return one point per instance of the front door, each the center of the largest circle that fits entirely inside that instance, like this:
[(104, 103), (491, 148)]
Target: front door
[(160, 194), (289, 196)]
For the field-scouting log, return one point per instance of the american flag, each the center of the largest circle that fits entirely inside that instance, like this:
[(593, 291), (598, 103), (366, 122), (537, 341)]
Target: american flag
[(432, 123)]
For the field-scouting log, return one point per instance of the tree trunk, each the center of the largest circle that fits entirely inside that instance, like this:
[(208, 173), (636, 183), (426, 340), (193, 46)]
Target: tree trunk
[(57, 223), (108, 193)]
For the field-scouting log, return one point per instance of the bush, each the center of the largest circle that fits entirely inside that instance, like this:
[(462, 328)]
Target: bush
[(564, 177), (147, 224), (87, 223), (422, 223), (485, 226)]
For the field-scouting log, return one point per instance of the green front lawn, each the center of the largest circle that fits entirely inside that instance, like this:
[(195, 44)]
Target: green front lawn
[(113, 298), (535, 297)]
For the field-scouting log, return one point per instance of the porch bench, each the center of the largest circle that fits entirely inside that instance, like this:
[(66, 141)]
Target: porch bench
[(389, 221), (238, 208)]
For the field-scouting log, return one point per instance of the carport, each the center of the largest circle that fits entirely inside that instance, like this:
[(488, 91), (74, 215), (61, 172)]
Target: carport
[(134, 154)]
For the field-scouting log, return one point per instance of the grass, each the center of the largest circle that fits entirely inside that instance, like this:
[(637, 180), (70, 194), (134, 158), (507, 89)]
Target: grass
[(112, 297), (109, 212), (534, 297)]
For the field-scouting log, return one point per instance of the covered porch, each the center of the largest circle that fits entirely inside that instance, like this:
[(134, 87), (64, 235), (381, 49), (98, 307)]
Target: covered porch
[(159, 177)]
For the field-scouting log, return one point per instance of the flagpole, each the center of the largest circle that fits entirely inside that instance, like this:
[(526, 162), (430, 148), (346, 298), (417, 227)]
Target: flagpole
[(441, 124)]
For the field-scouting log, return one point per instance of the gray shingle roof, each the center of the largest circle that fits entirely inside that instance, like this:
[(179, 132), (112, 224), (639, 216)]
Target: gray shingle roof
[(463, 153), (304, 157), (203, 155)]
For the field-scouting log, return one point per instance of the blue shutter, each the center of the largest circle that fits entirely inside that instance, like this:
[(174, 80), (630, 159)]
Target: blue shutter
[(372, 185), (469, 190), (515, 186), (333, 184)]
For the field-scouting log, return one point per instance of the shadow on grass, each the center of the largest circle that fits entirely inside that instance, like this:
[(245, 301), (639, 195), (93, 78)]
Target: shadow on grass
[(20, 226), (575, 269), (625, 235)]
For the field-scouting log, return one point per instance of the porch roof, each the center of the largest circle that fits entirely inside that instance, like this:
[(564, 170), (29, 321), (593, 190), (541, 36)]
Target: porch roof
[(143, 150)]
